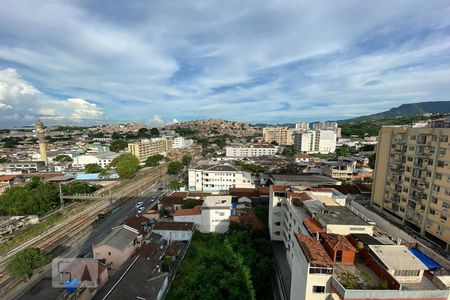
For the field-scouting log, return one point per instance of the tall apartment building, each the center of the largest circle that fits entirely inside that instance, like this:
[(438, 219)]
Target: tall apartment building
[(181, 142), (217, 178), (315, 141), (281, 135), (250, 150), (327, 126), (412, 179), (147, 148), (302, 126)]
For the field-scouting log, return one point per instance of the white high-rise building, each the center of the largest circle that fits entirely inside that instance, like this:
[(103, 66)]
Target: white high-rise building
[(180, 142), (315, 141), (302, 126)]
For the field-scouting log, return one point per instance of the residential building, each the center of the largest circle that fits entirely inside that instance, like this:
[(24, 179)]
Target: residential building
[(24, 166), (304, 180), (102, 159), (280, 135), (412, 179), (174, 231), (327, 126), (216, 178), (251, 150), (193, 215), (315, 141), (338, 169), (216, 211), (98, 148), (302, 126), (147, 148), (181, 142), (117, 247)]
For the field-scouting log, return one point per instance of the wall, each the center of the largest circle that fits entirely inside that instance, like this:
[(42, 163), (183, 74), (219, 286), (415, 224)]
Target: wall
[(174, 235), (275, 215), (197, 219), (348, 229), (117, 257), (215, 220)]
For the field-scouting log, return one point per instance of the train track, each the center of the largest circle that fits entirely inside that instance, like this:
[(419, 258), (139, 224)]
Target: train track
[(78, 222)]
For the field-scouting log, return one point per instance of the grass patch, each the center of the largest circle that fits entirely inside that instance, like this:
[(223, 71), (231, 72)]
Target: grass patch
[(25, 235)]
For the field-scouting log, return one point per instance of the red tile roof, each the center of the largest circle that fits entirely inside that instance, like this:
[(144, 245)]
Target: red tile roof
[(7, 177), (278, 188), (189, 211), (299, 196), (177, 226), (313, 225), (173, 249), (337, 242), (148, 251), (314, 251), (135, 222), (151, 212)]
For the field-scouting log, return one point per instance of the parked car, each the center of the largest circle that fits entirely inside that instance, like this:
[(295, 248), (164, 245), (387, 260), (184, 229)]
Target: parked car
[(141, 210), (139, 204)]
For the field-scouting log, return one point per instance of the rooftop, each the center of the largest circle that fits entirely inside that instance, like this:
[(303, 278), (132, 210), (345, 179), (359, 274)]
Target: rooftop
[(340, 215), (135, 222), (197, 210), (119, 237), (397, 257), (312, 225), (313, 250), (302, 179), (337, 242), (217, 202), (174, 226)]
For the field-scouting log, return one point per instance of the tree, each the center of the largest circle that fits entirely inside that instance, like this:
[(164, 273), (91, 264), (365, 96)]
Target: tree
[(288, 152), (143, 132), (118, 145), (186, 160), (372, 159), (24, 262), (176, 184), (367, 147), (116, 136), (167, 264), (174, 167), (93, 168), (154, 160), (342, 151), (63, 158), (154, 132), (126, 165)]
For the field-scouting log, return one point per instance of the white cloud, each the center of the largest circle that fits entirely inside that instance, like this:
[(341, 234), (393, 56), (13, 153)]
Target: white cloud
[(19, 100)]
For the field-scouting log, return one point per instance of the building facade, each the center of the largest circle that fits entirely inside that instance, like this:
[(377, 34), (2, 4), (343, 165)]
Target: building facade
[(217, 178), (251, 150), (147, 148), (280, 135), (181, 142), (412, 179), (216, 211), (101, 159), (315, 141)]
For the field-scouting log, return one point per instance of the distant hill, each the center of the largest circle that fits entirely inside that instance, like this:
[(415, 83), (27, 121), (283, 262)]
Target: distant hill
[(404, 110)]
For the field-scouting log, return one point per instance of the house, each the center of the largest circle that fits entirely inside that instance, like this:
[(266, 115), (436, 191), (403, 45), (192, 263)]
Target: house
[(174, 231), (117, 247), (339, 249), (216, 211), (193, 215), (151, 214), (139, 222), (216, 178), (7, 180)]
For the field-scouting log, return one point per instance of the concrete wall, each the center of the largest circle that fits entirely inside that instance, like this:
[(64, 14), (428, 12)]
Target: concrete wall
[(117, 257)]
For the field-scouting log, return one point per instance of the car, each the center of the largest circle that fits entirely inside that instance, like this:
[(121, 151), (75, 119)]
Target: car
[(141, 210), (152, 199), (139, 204)]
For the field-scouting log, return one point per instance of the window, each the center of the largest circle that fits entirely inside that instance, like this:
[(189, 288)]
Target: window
[(443, 138), (406, 273), (318, 289), (339, 256), (109, 253), (277, 233), (433, 138), (438, 176), (443, 217), (410, 158), (411, 148), (446, 205), (277, 223), (412, 137), (440, 164)]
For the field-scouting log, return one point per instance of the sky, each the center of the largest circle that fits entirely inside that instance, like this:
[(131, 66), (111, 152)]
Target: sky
[(277, 61)]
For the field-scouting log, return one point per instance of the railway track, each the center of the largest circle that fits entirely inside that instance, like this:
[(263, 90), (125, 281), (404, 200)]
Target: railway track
[(78, 222)]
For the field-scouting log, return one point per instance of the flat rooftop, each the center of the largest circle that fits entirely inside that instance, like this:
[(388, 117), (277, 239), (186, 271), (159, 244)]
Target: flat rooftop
[(340, 215), (397, 257), (217, 202)]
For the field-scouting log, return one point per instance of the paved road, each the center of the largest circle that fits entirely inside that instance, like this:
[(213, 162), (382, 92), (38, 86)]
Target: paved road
[(43, 289)]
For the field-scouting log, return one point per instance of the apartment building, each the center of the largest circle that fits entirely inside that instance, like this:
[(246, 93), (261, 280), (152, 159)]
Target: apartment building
[(147, 148), (102, 159), (412, 179), (218, 178), (280, 135), (251, 150), (338, 169), (315, 141), (327, 126), (302, 126), (216, 211), (181, 142), (333, 254)]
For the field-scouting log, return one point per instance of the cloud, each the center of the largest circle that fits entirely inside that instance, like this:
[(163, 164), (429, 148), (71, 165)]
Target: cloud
[(19, 101), (243, 60), (157, 119)]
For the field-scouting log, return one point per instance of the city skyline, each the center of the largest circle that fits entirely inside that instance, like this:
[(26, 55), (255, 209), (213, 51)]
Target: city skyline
[(275, 62)]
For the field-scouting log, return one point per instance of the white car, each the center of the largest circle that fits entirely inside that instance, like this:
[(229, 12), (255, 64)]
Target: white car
[(139, 204), (141, 210), (153, 199)]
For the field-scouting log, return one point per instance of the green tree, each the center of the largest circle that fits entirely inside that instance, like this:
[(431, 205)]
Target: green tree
[(63, 158), (167, 264), (143, 132), (154, 160), (288, 152), (174, 167), (186, 160), (342, 151), (116, 136), (118, 145), (367, 147), (176, 184), (126, 165), (24, 262), (372, 159), (93, 168), (154, 132)]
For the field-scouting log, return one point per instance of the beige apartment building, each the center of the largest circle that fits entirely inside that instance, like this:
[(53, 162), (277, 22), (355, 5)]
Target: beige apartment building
[(147, 148), (412, 178), (281, 135)]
